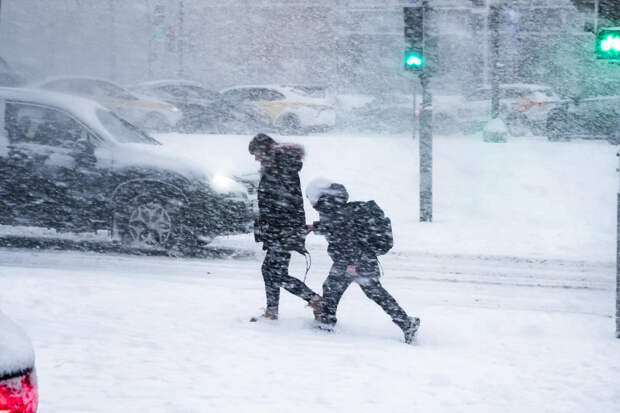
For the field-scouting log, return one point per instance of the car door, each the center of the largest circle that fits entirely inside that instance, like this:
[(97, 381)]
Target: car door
[(55, 168)]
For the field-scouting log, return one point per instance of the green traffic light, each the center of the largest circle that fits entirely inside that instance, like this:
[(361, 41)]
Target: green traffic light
[(611, 43), (608, 44), (414, 61)]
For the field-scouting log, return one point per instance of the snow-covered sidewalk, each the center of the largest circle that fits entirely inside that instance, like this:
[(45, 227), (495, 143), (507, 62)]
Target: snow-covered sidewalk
[(122, 333)]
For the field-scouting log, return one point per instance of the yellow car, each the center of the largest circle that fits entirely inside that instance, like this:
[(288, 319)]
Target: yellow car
[(293, 109)]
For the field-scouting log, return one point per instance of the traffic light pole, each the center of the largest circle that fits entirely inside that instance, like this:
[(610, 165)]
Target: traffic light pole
[(493, 19), (426, 131), (426, 150)]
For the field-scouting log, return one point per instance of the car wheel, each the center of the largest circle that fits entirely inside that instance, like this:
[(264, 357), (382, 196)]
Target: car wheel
[(155, 122), (289, 124), (150, 222)]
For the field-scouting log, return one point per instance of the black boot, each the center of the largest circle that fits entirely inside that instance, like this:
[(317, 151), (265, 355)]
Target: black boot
[(410, 329)]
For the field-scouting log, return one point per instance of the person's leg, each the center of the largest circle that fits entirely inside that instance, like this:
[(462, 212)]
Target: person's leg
[(271, 269), (333, 288), (281, 278), (375, 291)]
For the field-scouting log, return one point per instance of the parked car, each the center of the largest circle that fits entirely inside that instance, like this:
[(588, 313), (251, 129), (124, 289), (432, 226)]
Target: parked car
[(71, 164), (19, 392), (292, 110), (378, 113), (523, 107), (205, 110), (146, 112), (589, 118)]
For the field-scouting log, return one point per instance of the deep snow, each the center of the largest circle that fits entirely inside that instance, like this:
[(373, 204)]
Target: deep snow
[(514, 282)]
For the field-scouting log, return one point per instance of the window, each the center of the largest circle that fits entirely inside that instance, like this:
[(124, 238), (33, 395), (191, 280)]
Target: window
[(41, 125), (202, 93), (173, 91), (111, 90), (265, 94), (121, 130)]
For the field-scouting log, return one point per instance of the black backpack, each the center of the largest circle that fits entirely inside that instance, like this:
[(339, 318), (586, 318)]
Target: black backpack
[(373, 228)]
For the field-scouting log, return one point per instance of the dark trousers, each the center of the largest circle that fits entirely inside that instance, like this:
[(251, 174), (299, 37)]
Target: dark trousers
[(275, 274), (337, 283)]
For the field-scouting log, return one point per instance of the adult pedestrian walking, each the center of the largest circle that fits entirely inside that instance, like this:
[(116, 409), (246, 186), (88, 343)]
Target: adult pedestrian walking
[(281, 221)]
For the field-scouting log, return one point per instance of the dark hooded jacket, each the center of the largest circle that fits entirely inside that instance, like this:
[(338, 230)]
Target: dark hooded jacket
[(281, 222), (340, 224)]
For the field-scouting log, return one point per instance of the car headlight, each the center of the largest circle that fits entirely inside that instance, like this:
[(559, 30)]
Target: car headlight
[(224, 184), (174, 109)]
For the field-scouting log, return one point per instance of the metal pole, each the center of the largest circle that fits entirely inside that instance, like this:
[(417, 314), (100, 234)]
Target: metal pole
[(494, 12), (618, 259), (426, 130), (112, 11), (415, 106), (596, 9), (181, 39)]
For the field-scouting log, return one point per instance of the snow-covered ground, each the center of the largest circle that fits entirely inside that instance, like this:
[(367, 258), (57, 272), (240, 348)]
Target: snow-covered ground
[(527, 197), (514, 282)]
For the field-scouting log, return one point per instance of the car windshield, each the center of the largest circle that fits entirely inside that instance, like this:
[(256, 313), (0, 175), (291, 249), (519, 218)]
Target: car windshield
[(123, 131)]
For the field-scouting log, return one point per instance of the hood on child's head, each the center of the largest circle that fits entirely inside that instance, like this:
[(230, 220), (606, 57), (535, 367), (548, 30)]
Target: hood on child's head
[(322, 192)]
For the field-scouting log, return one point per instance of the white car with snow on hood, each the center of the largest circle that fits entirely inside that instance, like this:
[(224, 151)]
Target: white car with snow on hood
[(291, 108), (70, 164), (18, 380)]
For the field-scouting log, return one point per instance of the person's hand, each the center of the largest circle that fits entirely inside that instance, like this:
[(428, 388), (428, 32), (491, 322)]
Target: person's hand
[(309, 229), (351, 270)]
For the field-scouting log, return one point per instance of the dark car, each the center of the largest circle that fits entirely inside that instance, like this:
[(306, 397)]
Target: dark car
[(18, 380), (70, 164), (205, 110), (588, 118)]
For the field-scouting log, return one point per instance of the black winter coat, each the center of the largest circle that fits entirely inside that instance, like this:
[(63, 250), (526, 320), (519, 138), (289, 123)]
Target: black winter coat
[(281, 219), (343, 229)]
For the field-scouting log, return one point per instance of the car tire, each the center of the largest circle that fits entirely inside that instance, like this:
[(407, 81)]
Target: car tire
[(151, 222), (289, 124)]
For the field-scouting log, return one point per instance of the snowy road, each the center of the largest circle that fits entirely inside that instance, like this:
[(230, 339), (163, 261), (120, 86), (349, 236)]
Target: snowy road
[(128, 333)]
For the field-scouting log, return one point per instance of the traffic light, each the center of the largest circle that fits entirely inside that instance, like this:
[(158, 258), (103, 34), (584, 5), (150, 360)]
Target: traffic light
[(608, 43), (413, 60), (414, 38)]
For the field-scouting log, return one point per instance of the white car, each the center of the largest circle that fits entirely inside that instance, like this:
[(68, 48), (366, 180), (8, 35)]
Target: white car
[(18, 379), (146, 112), (522, 107), (291, 108)]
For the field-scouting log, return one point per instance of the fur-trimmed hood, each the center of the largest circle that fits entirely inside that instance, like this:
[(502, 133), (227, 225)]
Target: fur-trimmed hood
[(290, 149)]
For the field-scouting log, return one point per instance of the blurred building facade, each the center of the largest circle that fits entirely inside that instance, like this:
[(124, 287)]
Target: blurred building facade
[(348, 44)]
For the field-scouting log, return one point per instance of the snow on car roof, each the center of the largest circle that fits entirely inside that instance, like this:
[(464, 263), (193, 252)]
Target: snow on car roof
[(165, 82), (16, 352), (524, 86), (83, 108), (71, 77), (86, 110)]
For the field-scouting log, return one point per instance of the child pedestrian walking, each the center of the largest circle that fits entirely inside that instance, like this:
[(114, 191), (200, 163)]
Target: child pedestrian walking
[(356, 233)]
